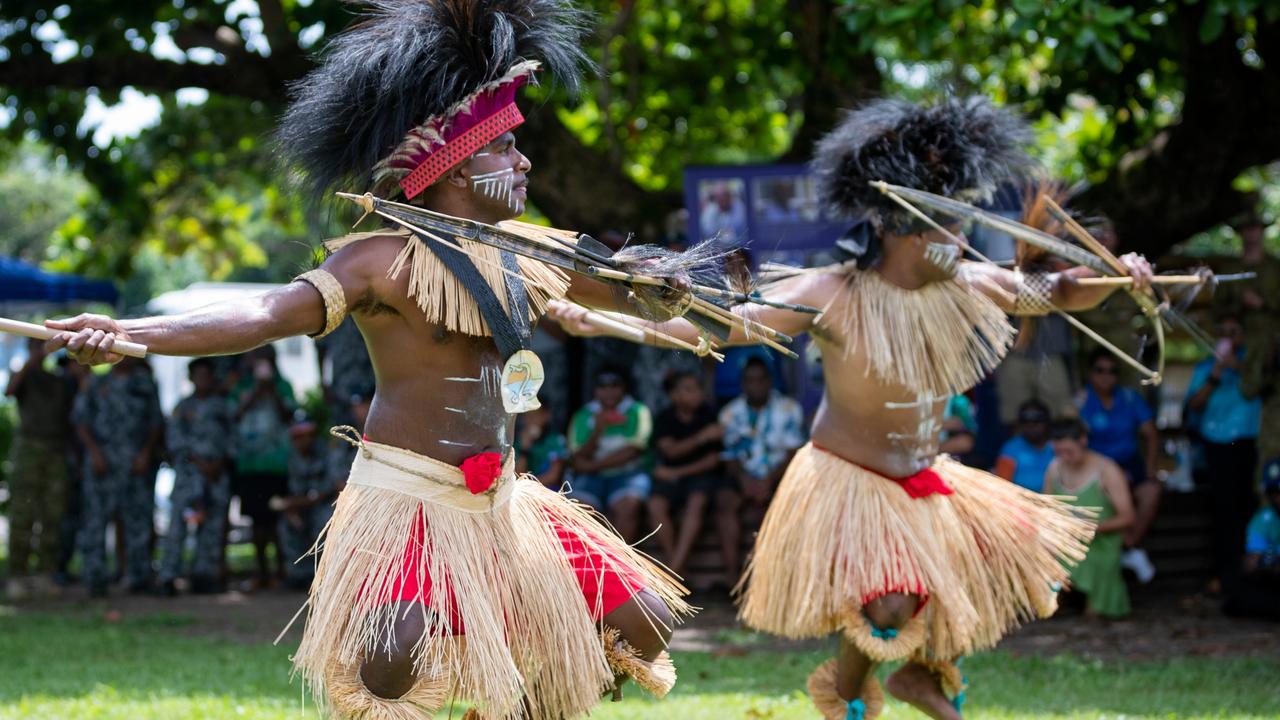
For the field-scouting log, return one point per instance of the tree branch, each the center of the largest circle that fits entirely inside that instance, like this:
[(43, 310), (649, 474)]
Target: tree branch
[(1181, 182), (243, 75)]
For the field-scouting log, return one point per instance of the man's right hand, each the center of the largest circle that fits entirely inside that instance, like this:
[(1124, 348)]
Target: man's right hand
[(573, 318), (88, 338)]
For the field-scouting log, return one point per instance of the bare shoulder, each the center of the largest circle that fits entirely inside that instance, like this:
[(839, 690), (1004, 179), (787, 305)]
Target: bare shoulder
[(361, 268)]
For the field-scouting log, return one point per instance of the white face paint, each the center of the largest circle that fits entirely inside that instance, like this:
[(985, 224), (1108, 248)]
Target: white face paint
[(923, 443), (496, 185), (944, 256)]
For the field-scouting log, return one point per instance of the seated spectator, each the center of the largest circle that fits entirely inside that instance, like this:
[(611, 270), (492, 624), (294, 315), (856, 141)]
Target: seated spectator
[(1024, 459), (199, 441), (609, 439), (959, 427), (762, 431), (307, 506), (1228, 426), (687, 472), (540, 449), (1117, 417), (1257, 592), (1093, 481)]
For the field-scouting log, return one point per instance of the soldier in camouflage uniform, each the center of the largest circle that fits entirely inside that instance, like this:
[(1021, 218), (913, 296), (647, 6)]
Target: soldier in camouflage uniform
[(39, 483), (119, 420), (309, 504), (199, 442)]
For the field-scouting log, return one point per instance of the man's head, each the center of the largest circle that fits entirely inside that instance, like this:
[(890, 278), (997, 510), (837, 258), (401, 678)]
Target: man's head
[(1070, 438), (490, 186), (684, 389), (418, 93), (610, 386), (1227, 326), (200, 372), (757, 381), (962, 148), (1104, 372), (1033, 421)]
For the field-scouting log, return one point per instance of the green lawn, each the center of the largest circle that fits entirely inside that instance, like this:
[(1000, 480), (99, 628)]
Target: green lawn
[(55, 666)]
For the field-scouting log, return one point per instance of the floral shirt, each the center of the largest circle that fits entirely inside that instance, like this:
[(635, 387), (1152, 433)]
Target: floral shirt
[(761, 439)]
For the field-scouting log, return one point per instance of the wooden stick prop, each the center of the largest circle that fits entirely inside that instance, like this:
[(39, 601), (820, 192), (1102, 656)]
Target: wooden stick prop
[(40, 332), (1157, 280), (565, 253), (645, 335)]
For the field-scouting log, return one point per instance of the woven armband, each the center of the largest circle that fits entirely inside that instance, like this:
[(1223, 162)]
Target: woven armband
[(335, 300), (1033, 293)]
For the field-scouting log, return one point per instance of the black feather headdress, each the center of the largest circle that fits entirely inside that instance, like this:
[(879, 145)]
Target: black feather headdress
[(409, 75), (963, 148)]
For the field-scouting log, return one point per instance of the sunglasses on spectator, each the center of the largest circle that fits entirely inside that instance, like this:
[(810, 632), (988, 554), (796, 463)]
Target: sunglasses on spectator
[(1105, 369)]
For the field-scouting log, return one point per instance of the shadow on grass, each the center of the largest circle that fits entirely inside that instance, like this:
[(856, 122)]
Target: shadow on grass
[(150, 659)]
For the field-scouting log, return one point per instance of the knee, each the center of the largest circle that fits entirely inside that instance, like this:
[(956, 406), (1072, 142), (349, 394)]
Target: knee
[(645, 622), (389, 672), (892, 610)]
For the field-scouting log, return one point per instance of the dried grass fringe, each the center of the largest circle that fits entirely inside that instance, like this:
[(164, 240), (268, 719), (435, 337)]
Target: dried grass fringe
[(943, 337), (444, 299), (857, 628), (988, 555), (528, 632), (350, 700), (656, 677), (823, 694)]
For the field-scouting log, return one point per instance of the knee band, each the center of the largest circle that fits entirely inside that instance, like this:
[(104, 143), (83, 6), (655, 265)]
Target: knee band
[(656, 677), (349, 698), (823, 694), (882, 645)]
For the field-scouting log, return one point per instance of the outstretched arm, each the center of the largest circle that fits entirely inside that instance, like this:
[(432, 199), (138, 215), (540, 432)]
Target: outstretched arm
[(224, 328), (806, 289), (1064, 289)]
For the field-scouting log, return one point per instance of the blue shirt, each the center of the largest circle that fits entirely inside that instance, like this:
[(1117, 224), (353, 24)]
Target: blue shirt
[(1263, 535), (1114, 432), (1228, 416), (1030, 464)]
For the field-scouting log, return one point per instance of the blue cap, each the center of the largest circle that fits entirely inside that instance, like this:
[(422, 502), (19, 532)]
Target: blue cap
[(1271, 475)]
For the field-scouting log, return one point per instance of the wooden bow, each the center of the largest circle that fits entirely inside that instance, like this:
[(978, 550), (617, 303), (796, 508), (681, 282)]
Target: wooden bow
[(1093, 255)]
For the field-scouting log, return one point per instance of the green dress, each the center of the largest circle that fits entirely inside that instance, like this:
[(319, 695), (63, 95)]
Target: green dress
[(1098, 575)]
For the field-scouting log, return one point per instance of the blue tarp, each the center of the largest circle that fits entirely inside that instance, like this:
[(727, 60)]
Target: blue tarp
[(23, 282)]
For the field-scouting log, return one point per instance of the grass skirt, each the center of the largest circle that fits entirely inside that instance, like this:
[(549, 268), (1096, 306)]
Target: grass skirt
[(497, 568), (837, 536)]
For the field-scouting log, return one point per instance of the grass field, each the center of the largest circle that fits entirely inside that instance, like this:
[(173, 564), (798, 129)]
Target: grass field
[(55, 666)]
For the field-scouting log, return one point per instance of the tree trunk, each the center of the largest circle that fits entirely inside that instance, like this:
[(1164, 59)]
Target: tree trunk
[(1181, 182)]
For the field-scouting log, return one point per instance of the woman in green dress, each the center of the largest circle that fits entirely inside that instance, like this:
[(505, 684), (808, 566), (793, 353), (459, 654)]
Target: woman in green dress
[(1093, 481)]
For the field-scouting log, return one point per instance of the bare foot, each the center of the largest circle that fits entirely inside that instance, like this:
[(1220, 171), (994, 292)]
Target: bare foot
[(915, 685)]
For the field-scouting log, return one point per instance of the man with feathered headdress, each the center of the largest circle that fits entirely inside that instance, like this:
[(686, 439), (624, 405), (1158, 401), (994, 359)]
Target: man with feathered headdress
[(907, 553), (441, 574)]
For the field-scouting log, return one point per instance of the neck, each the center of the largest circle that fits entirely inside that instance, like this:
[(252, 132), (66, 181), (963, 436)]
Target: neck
[(758, 403), (903, 262), (1104, 394)]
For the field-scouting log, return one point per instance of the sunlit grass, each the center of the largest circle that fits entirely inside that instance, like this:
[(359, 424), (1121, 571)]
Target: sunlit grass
[(58, 666)]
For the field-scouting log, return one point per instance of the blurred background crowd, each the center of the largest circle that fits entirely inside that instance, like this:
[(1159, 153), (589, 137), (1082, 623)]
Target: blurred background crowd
[(107, 489)]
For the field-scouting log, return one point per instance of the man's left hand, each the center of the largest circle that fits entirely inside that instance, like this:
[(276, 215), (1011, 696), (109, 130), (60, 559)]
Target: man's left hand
[(1139, 270)]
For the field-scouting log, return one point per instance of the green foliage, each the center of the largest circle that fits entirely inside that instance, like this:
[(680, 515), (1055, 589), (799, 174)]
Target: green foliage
[(37, 195), (717, 81)]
